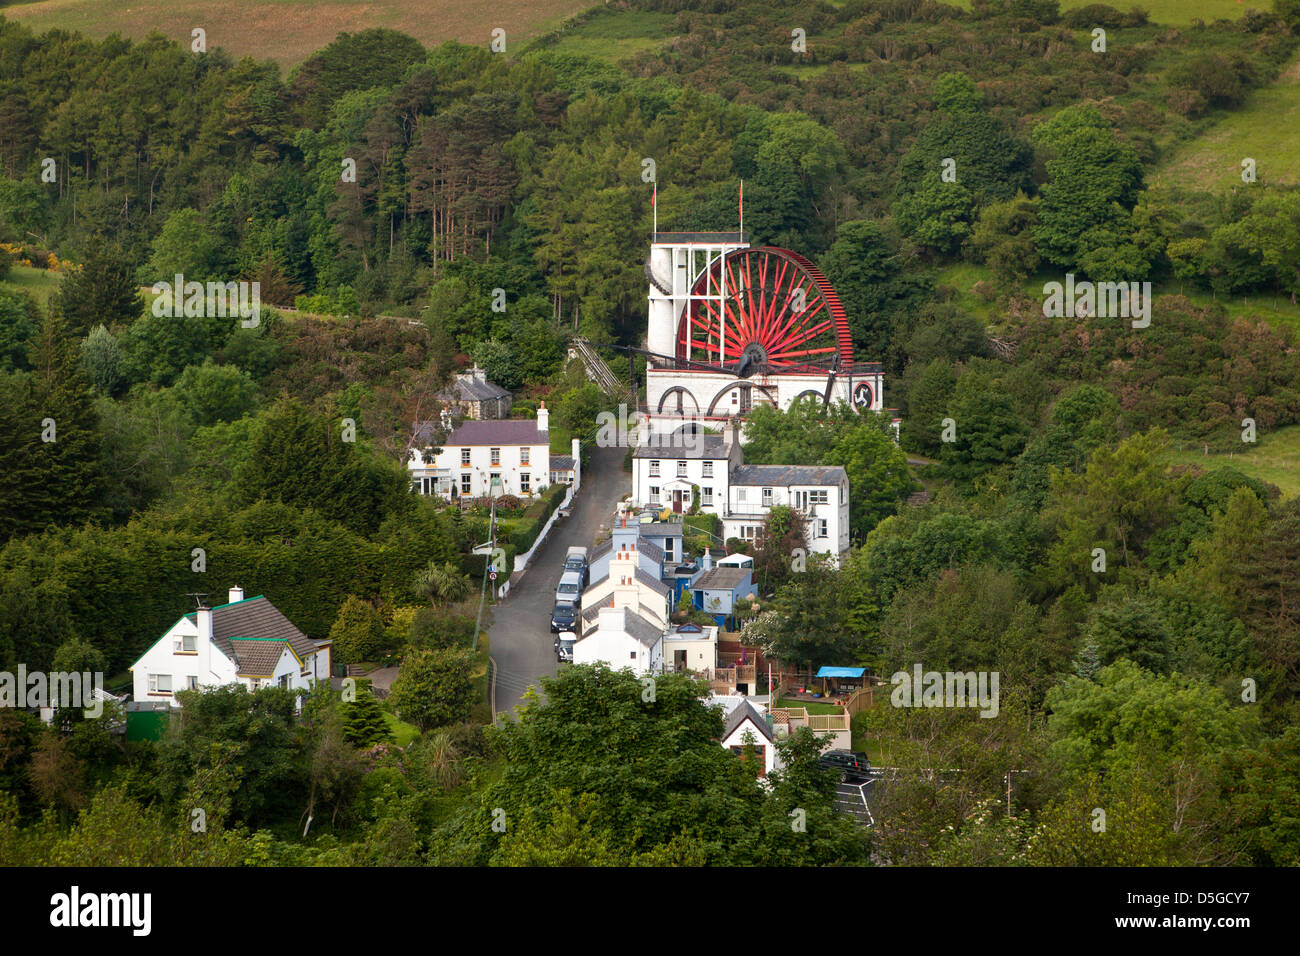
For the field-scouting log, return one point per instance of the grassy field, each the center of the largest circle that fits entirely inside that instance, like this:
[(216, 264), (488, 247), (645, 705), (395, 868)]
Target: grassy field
[(404, 732), (1266, 128), (1275, 458), (288, 31), (39, 282)]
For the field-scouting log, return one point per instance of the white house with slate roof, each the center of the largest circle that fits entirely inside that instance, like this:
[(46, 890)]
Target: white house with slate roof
[(624, 617), (517, 451), (246, 641), (745, 720), (666, 473)]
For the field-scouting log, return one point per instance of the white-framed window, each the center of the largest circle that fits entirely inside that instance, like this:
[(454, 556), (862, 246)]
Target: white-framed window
[(524, 452), (821, 527), (818, 497), (525, 482), (160, 683), (654, 494), (767, 497), (708, 469), (681, 469), (668, 550), (187, 645), (495, 456), (466, 483), (284, 681), (706, 495), (464, 456), (654, 469)]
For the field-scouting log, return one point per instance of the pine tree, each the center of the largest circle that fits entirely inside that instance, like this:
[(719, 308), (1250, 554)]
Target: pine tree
[(102, 291), (363, 721), (49, 440)]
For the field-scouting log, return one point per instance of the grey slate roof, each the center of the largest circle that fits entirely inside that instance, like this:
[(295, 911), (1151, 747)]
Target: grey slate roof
[(466, 389), (786, 475), (643, 631), (743, 710), (653, 583), (498, 431), (721, 579), (712, 447), (648, 548), (561, 463)]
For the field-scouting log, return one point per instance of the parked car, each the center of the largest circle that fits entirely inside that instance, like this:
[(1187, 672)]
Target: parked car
[(576, 560), (569, 588), (564, 646), (852, 764), (564, 617)]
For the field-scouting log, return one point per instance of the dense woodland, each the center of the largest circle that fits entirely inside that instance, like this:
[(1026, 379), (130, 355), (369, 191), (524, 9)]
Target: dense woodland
[(1123, 688)]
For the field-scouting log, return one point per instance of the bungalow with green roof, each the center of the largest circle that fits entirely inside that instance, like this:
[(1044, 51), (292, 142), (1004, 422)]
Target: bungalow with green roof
[(246, 641)]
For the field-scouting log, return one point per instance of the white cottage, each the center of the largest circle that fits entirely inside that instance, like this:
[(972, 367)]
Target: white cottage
[(246, 641), (745, 725)]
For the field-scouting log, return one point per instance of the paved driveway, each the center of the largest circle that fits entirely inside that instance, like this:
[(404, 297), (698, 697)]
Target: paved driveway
[(522, 643)]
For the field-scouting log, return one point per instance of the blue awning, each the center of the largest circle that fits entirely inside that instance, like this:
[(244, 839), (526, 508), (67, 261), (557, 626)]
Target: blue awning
[(841, 672)]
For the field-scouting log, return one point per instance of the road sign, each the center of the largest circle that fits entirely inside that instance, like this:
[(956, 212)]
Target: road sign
[(492, 575)]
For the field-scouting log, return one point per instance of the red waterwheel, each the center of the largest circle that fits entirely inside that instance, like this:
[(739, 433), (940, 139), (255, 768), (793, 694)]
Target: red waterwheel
[(779, 313)]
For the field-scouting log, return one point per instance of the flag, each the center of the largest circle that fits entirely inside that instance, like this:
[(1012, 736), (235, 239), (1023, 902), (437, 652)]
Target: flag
[(653, 193)]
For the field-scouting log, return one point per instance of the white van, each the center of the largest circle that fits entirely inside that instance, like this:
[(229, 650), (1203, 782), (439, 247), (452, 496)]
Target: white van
[(570, 588)]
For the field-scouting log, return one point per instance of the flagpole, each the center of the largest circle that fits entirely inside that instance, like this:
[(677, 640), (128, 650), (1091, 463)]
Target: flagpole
[(742, 210), (654, 204)]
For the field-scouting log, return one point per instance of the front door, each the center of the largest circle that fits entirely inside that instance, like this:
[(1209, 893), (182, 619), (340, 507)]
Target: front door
[(677, 501)]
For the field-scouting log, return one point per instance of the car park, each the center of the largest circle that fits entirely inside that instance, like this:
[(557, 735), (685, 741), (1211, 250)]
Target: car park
[(853, 765)]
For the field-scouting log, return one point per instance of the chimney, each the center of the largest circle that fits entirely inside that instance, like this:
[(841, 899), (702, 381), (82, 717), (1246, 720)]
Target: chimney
[(707, 565), (203, 618), (236, 594), (543, 419)]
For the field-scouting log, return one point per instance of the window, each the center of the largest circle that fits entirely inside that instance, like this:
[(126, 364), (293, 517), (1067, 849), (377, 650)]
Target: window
[(524, 452), (681, 469), (193, 683), (767, 497), (464, 456), (818, 497), (821, 527), (706, 495), (654, 494), (740, 496), (465, 483), (495, 454), (525, 482), (160, 683), (708, 469), (187, 645), (654, 469), (668, 550), (284, 681), (633, 655)]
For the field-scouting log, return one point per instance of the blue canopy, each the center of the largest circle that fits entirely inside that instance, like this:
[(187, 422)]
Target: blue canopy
[(841, 672)]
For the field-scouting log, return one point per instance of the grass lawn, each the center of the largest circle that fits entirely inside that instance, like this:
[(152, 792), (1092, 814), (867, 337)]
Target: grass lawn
[(288, 31), (1266, 128), (1275, 458), (404, 732), (812, 707), (41, 283)]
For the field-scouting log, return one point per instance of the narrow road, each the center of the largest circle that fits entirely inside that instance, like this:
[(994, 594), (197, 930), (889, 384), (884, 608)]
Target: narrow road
[(522, 643)]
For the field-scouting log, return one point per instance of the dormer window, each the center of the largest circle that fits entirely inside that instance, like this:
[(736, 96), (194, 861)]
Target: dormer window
[(187, 645)]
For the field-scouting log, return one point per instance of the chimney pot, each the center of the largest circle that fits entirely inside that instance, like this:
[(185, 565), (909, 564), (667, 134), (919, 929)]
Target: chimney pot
[(236, 594)]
